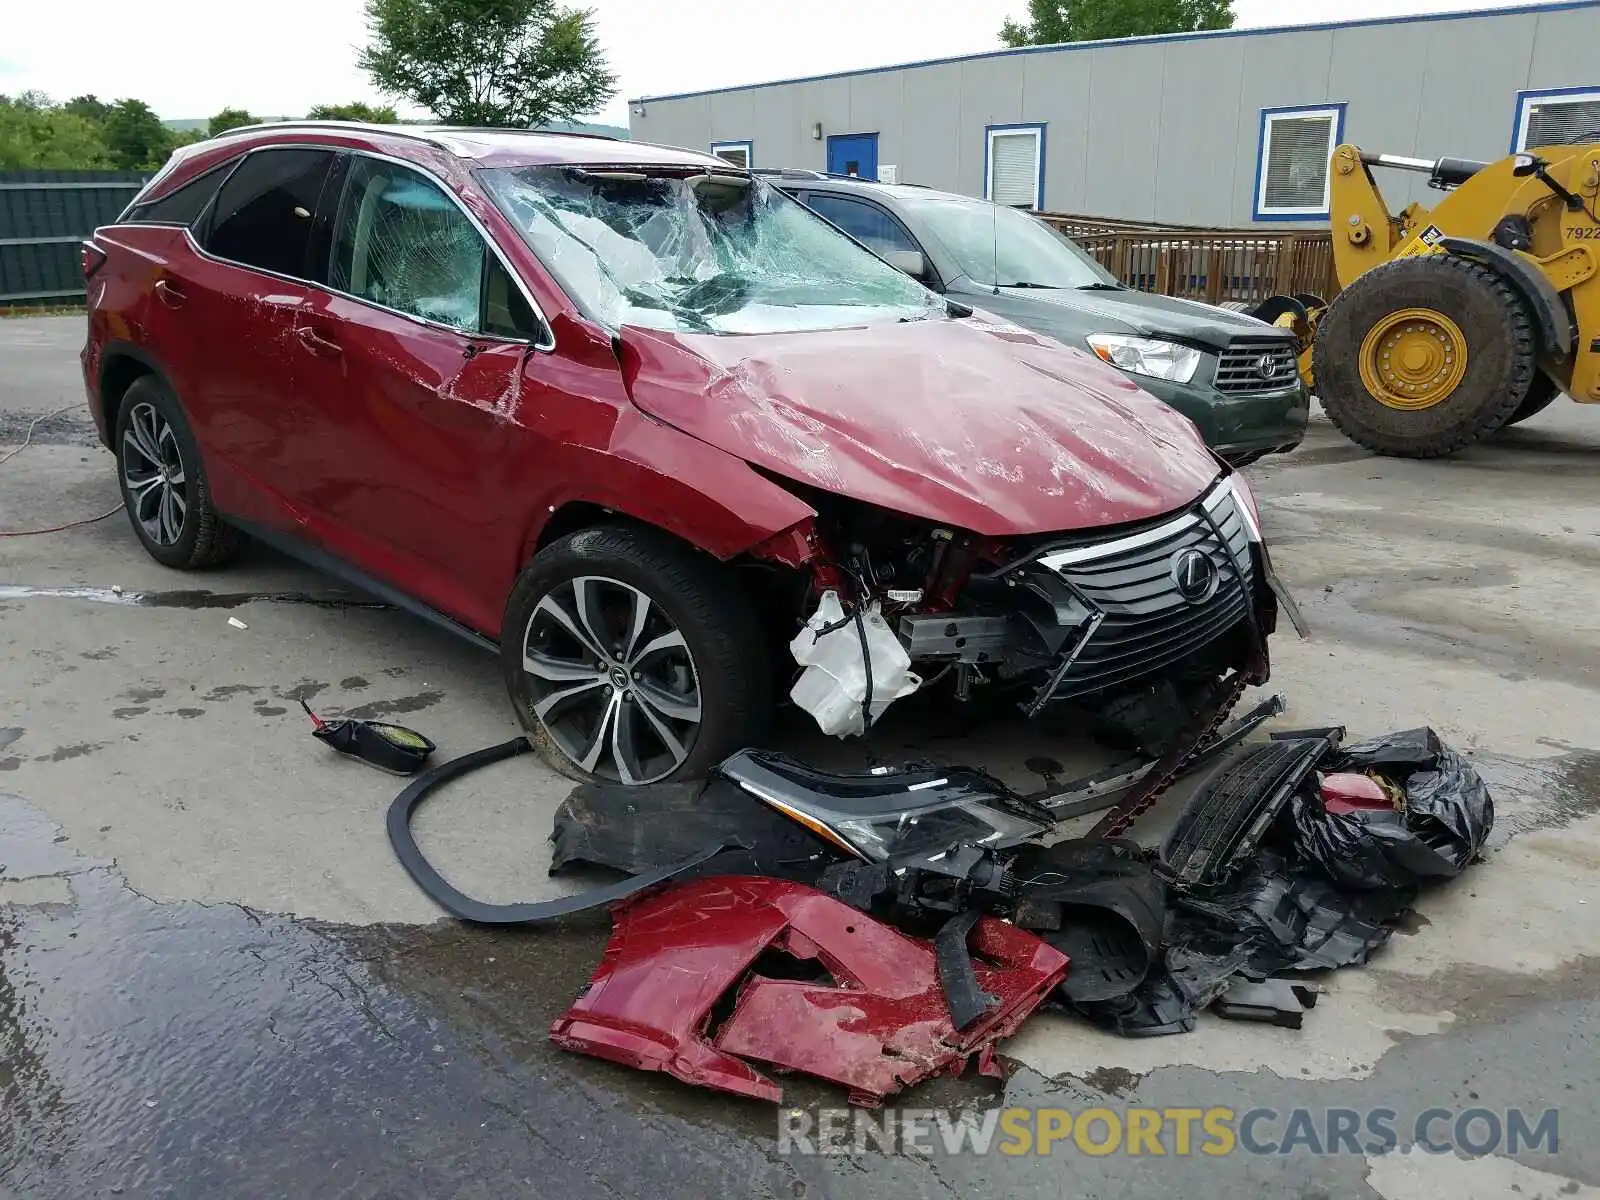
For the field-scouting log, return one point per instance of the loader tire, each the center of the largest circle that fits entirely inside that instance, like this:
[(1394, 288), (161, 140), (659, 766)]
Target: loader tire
[(1540, 396), (1422, 356)]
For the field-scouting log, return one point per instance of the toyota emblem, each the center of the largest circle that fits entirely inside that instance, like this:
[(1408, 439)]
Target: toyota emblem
[(1267, 366), (1195, 575)]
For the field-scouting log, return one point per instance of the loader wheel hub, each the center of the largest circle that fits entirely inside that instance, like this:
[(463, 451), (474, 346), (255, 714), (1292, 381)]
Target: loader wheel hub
[(1413, 359)]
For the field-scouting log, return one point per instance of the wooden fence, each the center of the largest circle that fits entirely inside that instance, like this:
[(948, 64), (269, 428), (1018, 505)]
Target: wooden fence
[(1239, 267), (44, 215)]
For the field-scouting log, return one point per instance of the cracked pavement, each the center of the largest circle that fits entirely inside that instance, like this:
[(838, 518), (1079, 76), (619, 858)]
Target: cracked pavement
[(214, 980)]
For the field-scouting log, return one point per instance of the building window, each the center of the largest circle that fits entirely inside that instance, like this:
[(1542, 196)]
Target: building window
[(1561, 117), (737, 153), (1013, 172), (1292, 170)]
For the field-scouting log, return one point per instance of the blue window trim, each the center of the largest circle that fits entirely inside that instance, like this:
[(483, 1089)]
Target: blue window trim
[(749, 148), (1538, 9), (1524, 98), (988, 139), (1256, 183)]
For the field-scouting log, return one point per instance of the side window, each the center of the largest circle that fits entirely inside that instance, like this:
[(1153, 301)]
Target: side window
[(182, 205), (263, 213), (867, 223), (401, 242), (506, 312)]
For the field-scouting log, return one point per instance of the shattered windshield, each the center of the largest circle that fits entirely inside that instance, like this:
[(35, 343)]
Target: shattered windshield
[(993, 245), (687, 251)]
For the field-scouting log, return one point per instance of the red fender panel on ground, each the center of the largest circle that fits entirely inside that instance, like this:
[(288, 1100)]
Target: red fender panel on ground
[(816, 986)]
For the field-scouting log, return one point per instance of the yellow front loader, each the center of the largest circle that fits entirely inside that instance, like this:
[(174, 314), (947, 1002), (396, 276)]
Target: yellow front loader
[(1457, 320)]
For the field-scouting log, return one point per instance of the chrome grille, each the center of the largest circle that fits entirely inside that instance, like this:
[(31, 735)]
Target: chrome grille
[(1147, 623), (1239, 367)]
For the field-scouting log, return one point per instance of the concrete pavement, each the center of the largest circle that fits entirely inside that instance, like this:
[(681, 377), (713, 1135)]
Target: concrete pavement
[(167, 747)]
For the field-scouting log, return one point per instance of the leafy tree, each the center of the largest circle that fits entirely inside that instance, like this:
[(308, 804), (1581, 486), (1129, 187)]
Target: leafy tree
[(488, 62), (90, 108), (230, 118), (136, 137), (36, 135), (1090, 20), (381, 114)]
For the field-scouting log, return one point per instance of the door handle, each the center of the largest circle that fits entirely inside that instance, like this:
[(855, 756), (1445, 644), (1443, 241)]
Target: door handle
[(169, 295), (316, 343)]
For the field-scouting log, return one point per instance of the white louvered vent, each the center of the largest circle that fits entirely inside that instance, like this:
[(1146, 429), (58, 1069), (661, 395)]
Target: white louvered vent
[(1014, 167), (1295, 162), (1568, 121)]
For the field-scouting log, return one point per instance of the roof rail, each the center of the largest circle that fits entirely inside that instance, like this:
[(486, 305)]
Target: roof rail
[(430, 133), (806, 173), (415, 132), (577, 133), (789, 172)]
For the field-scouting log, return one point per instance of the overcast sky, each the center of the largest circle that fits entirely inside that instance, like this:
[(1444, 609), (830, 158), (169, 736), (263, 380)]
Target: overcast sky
[(187, 59)]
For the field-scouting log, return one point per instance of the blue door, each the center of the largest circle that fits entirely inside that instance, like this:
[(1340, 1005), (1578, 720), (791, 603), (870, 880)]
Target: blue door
[(854, 154)]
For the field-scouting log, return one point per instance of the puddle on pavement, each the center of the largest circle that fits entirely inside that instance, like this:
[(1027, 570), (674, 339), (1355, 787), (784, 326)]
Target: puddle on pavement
[(1548, 793), (194, 598), (206, 1050)]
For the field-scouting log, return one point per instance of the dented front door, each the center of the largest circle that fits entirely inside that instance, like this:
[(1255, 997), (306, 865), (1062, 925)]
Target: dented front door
[(414, 470)]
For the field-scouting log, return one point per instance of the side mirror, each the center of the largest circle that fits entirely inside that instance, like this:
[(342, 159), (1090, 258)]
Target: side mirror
[(911, 262), (1526, 165)]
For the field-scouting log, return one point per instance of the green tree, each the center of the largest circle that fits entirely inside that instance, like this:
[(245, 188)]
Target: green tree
[(90, 108), (136, 137), (488, 62), (36, 135), (230, 118), (1053, 21), (381, 114)]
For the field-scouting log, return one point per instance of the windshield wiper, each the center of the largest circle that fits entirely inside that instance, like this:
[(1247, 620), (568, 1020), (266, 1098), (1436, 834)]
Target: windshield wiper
[(1097, 286), (1023, 283)]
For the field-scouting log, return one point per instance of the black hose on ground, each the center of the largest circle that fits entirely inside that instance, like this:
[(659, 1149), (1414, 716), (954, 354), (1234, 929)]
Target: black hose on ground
[(479, 912)]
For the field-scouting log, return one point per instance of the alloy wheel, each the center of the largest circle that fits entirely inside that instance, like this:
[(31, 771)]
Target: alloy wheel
[(154, 477), (612, 680)]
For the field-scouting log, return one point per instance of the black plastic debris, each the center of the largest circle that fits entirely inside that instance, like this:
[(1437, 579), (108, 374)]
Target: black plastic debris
[(1223, 824), (1097, 901), (391, 748), (1445, 815), (637, 829), (963, 995), (1265, 877), (1280, 1002)]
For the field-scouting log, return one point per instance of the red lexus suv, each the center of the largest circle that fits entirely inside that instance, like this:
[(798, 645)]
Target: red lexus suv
[(646, 424)]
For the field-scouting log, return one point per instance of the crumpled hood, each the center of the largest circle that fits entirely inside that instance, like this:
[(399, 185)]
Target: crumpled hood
[(970, 422)]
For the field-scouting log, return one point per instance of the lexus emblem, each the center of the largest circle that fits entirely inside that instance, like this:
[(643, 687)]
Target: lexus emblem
[(1195, 575), (1267, 366)]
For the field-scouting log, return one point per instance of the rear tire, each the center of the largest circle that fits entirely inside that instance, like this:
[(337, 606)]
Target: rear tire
[(1499, 356), (598, 703), (164, 484)]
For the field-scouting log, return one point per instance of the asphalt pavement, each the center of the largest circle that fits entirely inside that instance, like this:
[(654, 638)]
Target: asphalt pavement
[(215, 980)]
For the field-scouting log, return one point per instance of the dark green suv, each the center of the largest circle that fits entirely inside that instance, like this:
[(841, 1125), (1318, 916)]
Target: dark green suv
[(1235, 377)]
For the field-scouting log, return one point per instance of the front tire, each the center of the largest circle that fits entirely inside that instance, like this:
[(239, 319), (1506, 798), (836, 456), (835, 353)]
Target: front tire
[(164, 485), (1422, 356), (632, 659)]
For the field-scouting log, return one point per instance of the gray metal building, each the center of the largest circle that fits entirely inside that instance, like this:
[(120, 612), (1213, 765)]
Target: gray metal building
[(1230, 128)]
